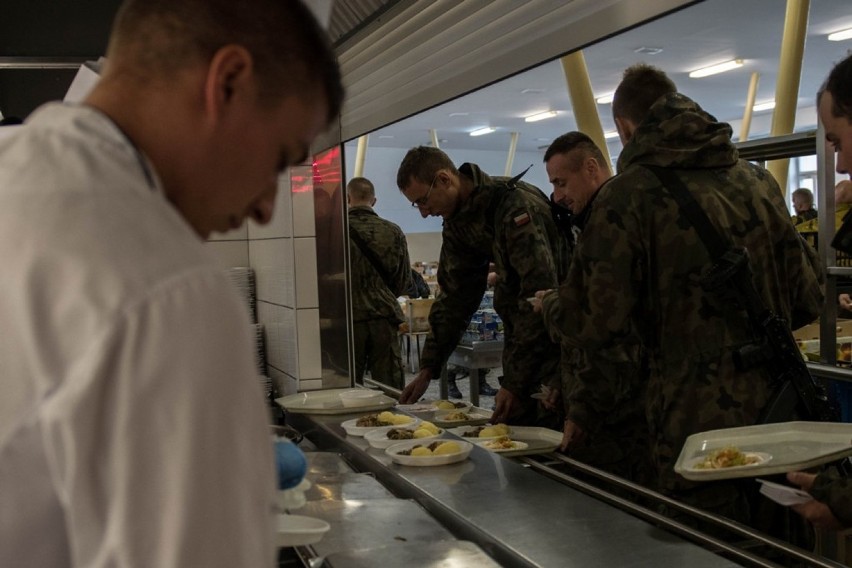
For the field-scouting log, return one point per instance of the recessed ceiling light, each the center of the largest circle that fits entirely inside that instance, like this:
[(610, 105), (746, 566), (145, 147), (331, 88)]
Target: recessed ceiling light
[(611, 134), (443, 140), (531, 91), (540, 116), (542, 139), (768, 105), (605, 99), (841, 35), (481, 131), (387, 136), (459, 114), (718, 68), (648, 50)]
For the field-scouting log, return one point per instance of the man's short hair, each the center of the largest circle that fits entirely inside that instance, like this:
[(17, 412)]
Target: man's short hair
[(806, 193), (361, 189), (641, 86), (422, 164), (839, 84), (156, 38), (571, 141)]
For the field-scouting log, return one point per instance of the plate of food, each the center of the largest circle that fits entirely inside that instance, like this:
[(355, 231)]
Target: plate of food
[(362, 425), (428, 454), (777, 448), (450, 405), (383, 438), (483, 432), (729, 458), (502, 444), (470, 417)]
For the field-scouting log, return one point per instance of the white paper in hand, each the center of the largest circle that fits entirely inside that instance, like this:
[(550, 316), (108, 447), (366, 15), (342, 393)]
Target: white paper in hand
[(783, 494)]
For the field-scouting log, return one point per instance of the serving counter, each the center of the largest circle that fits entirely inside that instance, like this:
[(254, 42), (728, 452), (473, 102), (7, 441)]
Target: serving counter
[(490, 508)]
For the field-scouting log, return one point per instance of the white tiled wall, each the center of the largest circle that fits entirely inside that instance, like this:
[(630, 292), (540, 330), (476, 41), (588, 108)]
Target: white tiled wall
[(283, 255)]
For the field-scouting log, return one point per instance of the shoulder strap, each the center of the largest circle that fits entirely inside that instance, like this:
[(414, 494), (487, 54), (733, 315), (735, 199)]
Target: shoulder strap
[(693, 211), (371, 256)]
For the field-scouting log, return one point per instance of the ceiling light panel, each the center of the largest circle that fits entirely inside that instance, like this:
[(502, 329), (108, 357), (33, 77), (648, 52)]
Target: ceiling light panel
[(841, 35), (540, 116), (605, 99), (768, 105), (718, 68), (482, 131)]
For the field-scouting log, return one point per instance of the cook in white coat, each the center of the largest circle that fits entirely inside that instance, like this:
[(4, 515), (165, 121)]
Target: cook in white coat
[(133, 432)]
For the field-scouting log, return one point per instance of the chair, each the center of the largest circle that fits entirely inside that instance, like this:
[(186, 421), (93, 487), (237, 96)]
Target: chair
[(417, 318)]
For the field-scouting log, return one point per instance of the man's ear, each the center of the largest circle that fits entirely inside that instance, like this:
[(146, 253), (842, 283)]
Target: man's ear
[(625, 129), (229, 75)]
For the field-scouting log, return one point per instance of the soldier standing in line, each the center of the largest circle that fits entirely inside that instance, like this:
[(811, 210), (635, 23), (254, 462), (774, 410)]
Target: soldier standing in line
[(615, 436), (381, 272), (636, 277), (832, 491), (486, 220)]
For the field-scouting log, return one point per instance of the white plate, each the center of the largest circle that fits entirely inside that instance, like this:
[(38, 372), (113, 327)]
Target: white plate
[(794, 446), (460, 431), (352, 430), (427, 461), (298, 530), (692, 465), (378, 438), (476, 417), (416, 407), (465, 405), (516, 446), (327, 402)]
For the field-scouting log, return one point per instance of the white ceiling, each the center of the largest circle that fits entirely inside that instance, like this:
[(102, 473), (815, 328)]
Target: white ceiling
[(703, 34)]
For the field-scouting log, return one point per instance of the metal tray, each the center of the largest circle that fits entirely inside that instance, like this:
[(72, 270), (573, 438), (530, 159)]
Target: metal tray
[(792, 446), (327, 402)]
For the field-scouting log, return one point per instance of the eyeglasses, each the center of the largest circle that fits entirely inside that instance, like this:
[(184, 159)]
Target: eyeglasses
[(423, 200)]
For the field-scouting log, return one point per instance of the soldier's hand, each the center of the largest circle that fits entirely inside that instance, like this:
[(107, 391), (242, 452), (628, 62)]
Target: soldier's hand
[(536, 300), (815, 512), (553, 397), (572, 435), (415, 389), (506, 405)]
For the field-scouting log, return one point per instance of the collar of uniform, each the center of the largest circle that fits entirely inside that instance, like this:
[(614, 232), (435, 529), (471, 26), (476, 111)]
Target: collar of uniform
[(362, 210)]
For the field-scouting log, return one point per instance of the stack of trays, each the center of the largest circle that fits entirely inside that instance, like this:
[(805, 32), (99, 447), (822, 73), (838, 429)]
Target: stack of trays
[(259, 349), (243, 279)]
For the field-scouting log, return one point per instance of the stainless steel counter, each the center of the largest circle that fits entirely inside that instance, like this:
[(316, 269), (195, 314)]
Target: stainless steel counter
[(519, 517)]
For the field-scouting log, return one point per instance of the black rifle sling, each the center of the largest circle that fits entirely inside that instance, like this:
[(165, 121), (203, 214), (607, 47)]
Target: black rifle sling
[(792, 391)]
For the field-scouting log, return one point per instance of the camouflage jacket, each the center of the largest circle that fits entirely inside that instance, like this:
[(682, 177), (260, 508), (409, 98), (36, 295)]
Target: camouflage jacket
[(515, 230), (835, 490), (634, 277), (372, 297)]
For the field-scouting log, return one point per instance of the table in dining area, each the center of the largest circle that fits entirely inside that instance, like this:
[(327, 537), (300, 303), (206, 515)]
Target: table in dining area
[(476, 357)]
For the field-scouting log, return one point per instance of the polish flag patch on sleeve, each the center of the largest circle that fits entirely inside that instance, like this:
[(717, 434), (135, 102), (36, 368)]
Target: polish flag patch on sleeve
[(522, 219)]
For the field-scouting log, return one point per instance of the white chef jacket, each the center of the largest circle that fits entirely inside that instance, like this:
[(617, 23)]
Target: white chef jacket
[(133, 431)]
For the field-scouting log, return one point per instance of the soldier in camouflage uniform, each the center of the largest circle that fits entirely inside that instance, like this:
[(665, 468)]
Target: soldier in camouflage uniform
[(634, 280), (381, 271), (833, 492), (615, 437), (484, 222)]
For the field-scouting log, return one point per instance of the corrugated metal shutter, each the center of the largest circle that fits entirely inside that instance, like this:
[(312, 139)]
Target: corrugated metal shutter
[(422, 53)]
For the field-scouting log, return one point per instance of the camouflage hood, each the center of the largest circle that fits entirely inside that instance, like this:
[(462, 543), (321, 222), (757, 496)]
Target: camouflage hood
[(677, 133)]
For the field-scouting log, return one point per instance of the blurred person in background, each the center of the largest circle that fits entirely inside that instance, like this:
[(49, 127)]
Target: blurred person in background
[(803, 205), (132, 431)]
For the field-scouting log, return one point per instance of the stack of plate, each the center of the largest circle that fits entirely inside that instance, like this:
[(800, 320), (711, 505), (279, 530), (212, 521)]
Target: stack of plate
[(243, 279), (259, 349), (266, 383)]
